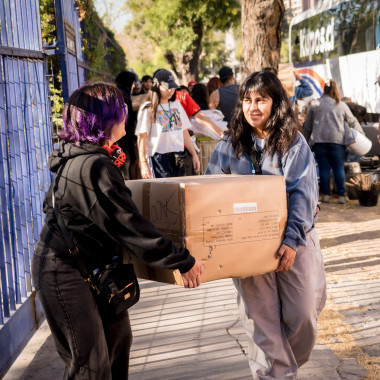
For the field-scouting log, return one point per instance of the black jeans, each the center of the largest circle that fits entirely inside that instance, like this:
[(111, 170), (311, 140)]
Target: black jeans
[(92, 347), (167, 165)]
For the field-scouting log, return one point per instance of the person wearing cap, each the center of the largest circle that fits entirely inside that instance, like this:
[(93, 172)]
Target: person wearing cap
[(191, 84), (224, 98), (162, 131), (377, 110)]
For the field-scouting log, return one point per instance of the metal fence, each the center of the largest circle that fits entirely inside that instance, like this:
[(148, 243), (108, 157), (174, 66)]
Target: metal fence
[(25, 142), (70, 47)]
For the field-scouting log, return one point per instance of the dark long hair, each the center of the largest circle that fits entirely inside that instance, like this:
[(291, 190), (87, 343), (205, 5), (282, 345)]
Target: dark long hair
[(281, 126), (200, 95), (125, 80)]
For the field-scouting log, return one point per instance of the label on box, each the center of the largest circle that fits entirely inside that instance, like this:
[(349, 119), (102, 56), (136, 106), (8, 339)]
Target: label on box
[(241, 228), (245, 207)]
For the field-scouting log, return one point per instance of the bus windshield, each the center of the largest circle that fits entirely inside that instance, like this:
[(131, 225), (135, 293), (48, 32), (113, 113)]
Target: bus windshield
[(339, 40)]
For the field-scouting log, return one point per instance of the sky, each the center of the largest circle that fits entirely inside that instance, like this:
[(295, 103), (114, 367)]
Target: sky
[(119, 16)]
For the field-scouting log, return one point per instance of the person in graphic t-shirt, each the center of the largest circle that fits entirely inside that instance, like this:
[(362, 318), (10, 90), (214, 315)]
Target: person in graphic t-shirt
[(162, 131)]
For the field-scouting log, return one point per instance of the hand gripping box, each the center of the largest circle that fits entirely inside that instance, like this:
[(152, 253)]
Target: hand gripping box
[(233, 224)]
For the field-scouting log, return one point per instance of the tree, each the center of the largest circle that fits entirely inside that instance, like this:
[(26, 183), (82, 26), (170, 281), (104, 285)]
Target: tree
[(261, 33), (178, 27)]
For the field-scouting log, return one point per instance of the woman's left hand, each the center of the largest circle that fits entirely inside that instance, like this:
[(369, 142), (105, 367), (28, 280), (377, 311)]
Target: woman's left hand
[(286, 255), (196, 163)]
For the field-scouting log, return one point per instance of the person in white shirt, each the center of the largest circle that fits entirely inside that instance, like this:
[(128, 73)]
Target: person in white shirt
[(377, 110), (162, 131)]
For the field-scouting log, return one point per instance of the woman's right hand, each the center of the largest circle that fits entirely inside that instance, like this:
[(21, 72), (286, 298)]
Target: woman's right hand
[(192, 278), (144, 169)]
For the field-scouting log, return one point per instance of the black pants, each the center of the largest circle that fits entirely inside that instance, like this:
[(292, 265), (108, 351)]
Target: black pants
[(92, 347), (169, 164)]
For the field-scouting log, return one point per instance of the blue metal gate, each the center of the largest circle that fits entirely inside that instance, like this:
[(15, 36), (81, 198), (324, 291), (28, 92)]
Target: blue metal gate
[(25, 142), (69, 46), (26, 139)]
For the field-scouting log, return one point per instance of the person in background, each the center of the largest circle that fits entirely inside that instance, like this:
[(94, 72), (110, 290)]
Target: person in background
[(357, 110), (162, 131), (183, 88), (301, 90), (192, 109), (213, 84), (191, 84), (377, 110), (146, 84), (125, 81), (224, 98), (97, 209), (199, 94), (360, 113), (325, 130), (280, 309), (137, 89)]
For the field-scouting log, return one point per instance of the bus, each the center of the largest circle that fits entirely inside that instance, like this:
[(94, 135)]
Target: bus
[(340, 40)]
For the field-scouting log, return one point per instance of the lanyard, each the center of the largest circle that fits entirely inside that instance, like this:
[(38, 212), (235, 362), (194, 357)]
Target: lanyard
[(256, 160), (169, 116)]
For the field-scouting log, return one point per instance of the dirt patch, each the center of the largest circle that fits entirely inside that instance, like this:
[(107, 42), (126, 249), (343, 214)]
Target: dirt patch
[(350, 211)]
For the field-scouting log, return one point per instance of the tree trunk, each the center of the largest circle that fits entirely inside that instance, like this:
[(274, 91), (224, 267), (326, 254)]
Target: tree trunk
[(261, 22), (187, 65)]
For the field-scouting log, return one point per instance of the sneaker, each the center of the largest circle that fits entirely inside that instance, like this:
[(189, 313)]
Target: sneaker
[(326, 198), (342, 199)]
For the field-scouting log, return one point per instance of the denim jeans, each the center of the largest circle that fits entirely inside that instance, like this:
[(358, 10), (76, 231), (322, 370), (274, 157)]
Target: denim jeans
[(331, 156), (92, 347)]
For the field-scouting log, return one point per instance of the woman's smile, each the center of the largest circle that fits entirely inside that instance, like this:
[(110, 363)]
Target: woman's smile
[(257, 110)]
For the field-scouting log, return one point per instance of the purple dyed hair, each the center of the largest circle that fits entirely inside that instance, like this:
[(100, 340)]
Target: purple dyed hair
[(91, 112)]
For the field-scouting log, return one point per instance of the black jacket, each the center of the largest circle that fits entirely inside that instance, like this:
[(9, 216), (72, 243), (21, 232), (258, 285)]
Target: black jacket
[(98, 211)]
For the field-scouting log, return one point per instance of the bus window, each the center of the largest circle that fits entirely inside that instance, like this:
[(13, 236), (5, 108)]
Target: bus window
[(347, 28)]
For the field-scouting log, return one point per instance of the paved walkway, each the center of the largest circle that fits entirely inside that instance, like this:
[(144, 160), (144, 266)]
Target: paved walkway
[(196, 334)]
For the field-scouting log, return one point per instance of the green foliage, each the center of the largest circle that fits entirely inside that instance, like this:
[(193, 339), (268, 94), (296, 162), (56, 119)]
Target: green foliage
[(216, 54), (49, 37), (284, 51), (147, 66), (178, 26), (104, 55)]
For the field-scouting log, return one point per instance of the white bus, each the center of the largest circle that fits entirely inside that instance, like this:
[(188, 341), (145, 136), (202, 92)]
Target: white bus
[(340, 40)]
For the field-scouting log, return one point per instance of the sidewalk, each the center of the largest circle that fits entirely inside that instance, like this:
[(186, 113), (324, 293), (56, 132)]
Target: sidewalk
[(196, 334)]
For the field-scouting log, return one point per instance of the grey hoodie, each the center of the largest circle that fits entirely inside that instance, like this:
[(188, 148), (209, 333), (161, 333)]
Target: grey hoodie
[(327, 121)]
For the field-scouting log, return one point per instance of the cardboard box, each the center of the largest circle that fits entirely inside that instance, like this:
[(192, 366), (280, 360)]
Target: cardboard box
[(286, 76), (233, 224)]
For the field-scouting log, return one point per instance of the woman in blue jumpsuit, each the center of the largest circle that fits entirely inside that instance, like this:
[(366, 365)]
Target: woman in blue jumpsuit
[(279, 309)]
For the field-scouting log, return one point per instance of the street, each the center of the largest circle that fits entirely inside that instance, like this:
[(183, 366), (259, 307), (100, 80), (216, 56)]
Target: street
[(196, 334)]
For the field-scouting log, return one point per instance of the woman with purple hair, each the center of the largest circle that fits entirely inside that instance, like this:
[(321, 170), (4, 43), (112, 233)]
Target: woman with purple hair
[(96, 208)]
